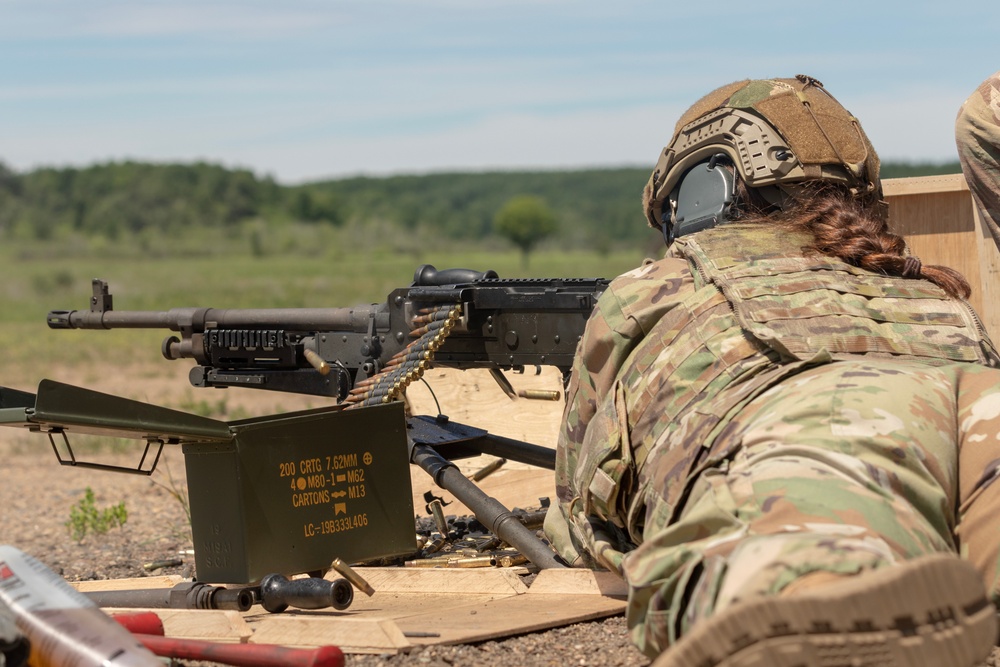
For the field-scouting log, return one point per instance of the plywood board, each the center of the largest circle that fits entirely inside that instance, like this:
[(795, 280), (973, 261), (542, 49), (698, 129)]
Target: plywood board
[(127, 584), (487, 580), (509, 616), (579, 582), (213, 625), (450, 607), (922, 185), (351, 635), (414, 607)]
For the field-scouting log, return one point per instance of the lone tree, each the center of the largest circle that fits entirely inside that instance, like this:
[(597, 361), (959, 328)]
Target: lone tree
[(524, 221)]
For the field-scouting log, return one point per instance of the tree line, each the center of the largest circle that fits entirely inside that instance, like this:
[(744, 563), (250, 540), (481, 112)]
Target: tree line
[(590, 208)]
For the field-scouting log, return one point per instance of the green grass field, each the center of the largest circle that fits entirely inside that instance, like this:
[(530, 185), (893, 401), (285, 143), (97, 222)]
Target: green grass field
[(34, 285)]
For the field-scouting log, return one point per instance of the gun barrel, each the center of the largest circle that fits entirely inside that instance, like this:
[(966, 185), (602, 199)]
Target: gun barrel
[(199, 319)]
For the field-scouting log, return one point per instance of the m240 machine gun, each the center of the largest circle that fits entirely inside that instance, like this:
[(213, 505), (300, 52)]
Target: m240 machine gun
[(288, 493)]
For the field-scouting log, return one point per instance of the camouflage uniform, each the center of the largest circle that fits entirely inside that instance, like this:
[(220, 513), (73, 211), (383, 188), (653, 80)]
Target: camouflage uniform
[(977, 132), (741, 415)]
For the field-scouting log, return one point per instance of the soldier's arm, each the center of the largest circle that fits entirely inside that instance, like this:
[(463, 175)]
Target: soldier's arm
[(977, 134)]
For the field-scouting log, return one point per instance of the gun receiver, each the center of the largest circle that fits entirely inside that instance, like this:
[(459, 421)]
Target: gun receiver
[(504, 324)]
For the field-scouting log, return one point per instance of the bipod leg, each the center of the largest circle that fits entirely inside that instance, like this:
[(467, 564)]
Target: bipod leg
[(488, 510)]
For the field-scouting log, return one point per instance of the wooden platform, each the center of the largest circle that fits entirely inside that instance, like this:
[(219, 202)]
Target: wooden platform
[(411, 607)]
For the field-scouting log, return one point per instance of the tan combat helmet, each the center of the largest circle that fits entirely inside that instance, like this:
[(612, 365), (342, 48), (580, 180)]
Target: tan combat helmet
[(777, 133)]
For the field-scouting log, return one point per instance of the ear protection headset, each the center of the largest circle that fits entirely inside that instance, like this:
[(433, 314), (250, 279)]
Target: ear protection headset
[(702, 199)]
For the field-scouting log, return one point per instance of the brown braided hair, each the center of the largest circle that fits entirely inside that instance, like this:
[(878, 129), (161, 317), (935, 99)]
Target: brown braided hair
[(845, 228)]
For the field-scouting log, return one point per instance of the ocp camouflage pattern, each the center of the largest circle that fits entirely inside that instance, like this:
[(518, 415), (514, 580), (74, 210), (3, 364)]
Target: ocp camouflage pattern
[(711, 426), (977, 134)]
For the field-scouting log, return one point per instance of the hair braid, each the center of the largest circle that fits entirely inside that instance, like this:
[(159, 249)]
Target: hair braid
[(843, 227)]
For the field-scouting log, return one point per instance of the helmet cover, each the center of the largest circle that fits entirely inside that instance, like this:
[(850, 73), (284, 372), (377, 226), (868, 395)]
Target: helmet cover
[(777, 132)]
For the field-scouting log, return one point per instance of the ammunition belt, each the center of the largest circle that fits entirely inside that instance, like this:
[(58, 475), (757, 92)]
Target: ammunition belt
[(409, 364)]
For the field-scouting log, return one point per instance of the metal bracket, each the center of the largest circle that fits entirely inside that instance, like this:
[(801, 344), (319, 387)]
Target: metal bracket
[(71, 461)]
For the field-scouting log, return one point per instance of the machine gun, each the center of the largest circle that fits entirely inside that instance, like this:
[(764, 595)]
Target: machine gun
[(456, 318), (287, 493)]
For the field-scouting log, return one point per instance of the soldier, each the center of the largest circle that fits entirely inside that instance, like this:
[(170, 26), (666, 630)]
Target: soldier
[(977, 132), (783, 433)]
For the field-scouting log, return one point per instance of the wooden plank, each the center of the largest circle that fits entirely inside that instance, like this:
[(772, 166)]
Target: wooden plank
[(351, 635), (510, 616), (455, 581), (919, 185), (214, 625), (413, 606), (576, 581), (389, 605), (163, 581), (943, 213)]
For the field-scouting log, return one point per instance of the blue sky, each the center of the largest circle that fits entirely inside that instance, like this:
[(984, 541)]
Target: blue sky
[(303, 89)]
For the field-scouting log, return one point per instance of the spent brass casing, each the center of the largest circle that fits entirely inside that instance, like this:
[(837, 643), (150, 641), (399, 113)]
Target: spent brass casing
[(426, 562), (347, 572), (435, 545), (452, 562), (540, 394), (491, 543), (316, 361), (471, 561), (487, 470), (532, 519), (510, 560), (437, 510), (157, 564), (434, 561)]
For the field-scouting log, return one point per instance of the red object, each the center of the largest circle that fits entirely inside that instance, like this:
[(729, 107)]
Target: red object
[(243, 655), (140, 622)]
